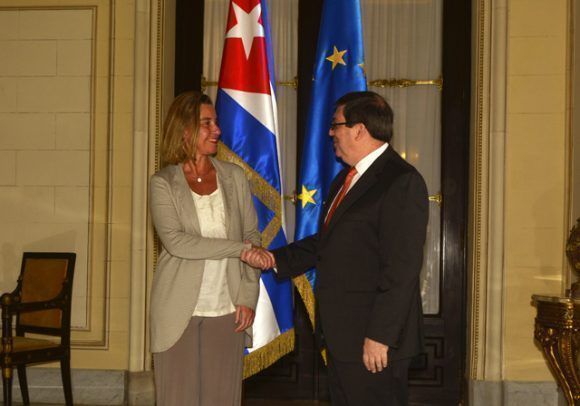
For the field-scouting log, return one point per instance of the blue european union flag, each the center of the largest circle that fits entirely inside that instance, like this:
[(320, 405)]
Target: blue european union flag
[(339, 69)]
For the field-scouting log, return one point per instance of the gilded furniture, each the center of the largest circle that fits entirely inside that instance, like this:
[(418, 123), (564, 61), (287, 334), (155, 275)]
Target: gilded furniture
[(40, 305), (573, 254), (557, 327), (557, 331)]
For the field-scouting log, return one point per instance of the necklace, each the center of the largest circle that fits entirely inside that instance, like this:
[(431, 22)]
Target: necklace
[(197, 176)]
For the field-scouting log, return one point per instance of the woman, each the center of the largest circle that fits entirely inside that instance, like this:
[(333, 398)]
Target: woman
[(203, 297)]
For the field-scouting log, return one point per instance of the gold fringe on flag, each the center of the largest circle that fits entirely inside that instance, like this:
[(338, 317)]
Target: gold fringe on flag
[(265, 192), (305, 290), (307, 295), (265, 356)]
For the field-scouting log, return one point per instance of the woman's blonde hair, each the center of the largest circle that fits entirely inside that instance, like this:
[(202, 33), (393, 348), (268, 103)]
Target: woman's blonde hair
[(183, 114)]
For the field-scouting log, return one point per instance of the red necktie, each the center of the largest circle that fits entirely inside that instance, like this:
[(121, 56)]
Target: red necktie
[(341, 194)]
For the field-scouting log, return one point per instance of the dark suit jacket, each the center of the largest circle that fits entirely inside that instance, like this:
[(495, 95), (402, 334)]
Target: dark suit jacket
[(368, 260)]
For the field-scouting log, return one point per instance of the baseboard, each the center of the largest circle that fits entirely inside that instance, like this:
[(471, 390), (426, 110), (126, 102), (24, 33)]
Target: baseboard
[(111, 387), (90, 387), (514, 393), (141, 389)]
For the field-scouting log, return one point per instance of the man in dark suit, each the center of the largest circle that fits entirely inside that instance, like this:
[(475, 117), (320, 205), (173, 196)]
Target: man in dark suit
[(368, 254)]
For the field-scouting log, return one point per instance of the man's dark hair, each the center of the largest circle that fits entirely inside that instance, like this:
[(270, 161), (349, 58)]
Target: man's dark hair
[(370, 109)]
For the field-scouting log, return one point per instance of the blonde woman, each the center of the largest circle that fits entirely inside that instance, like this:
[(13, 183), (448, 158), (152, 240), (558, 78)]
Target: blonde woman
[(203, 297)]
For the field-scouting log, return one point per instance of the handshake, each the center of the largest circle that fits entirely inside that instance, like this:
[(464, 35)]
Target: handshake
[(258, 257)]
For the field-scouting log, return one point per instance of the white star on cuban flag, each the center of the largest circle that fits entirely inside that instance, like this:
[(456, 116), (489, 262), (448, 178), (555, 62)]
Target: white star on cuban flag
[(246, 106), (248, 26), (246, 77)]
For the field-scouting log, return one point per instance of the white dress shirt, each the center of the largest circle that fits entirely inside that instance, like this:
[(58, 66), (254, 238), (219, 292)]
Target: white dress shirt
[(361, 167), (365, 163)]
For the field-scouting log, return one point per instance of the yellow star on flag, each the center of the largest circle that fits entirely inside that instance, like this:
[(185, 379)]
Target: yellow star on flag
[(306, 196), (336, 58)]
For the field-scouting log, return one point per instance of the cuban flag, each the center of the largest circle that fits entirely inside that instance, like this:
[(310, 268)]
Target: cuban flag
[(338, 69), (246, 107)]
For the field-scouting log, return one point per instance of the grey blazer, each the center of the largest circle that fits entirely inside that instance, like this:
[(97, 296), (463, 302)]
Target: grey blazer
[(180, 266)]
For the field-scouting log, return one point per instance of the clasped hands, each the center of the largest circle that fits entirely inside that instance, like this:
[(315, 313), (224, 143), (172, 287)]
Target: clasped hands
[(258, 257)]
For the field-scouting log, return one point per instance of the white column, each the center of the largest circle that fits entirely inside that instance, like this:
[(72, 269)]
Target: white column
[(137, 332), (489, 67)]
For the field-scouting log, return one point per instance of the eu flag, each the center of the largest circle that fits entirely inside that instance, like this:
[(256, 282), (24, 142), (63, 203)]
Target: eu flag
[(338, 69)]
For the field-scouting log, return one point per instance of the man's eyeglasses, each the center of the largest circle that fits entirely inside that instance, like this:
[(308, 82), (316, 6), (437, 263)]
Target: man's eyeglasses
[(333, 125)]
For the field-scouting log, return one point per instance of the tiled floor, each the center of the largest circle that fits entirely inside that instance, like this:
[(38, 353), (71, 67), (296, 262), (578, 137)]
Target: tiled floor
[(253, 402)]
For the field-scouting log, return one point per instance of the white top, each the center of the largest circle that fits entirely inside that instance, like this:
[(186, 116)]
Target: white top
[(214, 297), (365, 163)]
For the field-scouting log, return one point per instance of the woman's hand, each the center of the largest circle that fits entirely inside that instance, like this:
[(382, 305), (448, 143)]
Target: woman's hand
[(244, 317)]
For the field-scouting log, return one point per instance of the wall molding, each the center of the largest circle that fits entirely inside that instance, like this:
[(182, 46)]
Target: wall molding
[(154, 43), (486, 225), (92, 332)]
